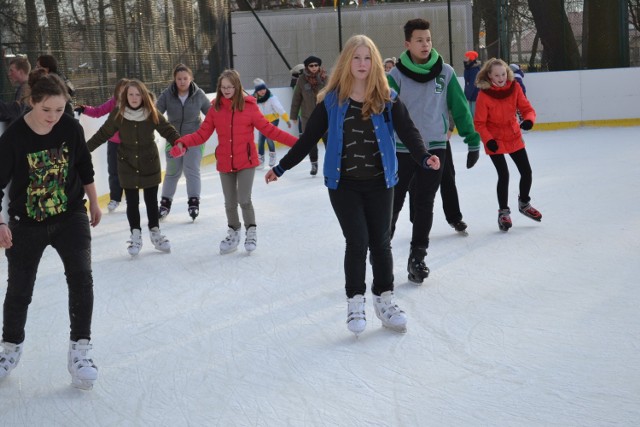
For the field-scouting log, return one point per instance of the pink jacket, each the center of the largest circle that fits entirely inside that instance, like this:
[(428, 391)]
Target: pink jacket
[(236, 148), (100, 111)]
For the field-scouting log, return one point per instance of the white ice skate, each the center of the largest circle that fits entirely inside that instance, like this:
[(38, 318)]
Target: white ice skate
[(113, 205), (272, 159), (251, 239), (160, 242), (356, 319), (84, 372), (389, 313), (9, 358), (231, 242), (135, 244)]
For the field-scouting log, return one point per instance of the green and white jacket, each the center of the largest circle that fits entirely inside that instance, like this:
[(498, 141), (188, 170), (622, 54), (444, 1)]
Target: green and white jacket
[(430, 91)]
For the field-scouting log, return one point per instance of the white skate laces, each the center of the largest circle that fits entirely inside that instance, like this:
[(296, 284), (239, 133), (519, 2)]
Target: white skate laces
[(9, 358), (83, 371), (356, 319), (389, 313)]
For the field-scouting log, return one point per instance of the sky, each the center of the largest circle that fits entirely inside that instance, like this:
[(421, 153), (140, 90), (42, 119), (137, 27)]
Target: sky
[(536, 326)]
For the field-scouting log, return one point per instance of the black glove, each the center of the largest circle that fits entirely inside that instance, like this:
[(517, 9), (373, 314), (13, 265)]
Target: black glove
[(526, 125), (492, 145), (79, 109), (472, 158)]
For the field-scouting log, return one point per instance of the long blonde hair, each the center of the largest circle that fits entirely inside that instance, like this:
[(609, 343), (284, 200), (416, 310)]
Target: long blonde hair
[(237, 100), (147, 100), (377, 90), (482, 79)]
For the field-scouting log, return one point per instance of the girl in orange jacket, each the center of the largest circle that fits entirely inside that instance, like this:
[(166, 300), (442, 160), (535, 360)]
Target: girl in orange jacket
[(496, 121)]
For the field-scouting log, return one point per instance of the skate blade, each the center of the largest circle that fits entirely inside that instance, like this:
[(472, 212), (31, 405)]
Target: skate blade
[(415, 280), (228, 251), (464, 233), (400, 329), (82, 384)]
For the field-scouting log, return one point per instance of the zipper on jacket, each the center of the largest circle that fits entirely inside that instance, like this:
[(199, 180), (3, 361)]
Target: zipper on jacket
[(233, 112)]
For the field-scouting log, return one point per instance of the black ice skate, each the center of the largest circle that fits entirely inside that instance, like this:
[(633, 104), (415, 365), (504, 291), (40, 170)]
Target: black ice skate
[(194, 207), (504, 219), (460, 227), (417, 269), (164, 209)]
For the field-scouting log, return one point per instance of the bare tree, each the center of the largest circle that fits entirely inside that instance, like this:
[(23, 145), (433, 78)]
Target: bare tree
[(33, 31), (214, 26), (605, 49), (55, 33), (556, 35)]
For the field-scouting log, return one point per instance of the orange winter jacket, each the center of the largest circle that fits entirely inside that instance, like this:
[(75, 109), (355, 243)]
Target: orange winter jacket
[(495, 116), (236, 148)]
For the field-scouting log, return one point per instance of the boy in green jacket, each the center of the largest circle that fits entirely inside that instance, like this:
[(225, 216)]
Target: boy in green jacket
[(430, 90)]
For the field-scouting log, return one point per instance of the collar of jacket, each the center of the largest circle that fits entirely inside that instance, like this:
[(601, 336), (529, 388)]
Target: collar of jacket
[(174, 89), (421, 73), (500, 92), (264, 98)]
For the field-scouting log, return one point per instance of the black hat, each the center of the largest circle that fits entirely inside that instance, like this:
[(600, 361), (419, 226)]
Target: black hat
[(312, 60)]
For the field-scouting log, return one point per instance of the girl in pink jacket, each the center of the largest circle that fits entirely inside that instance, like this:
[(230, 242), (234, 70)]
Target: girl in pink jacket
[(235, 117), (115, 190)]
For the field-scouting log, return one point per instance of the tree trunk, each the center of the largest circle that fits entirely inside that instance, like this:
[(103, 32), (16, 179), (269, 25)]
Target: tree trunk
[(122, 48), (214, 23), (55, 34), (556, 35), (185, 32), (33, 31), (105, 60), (605, 49), (489, 14)]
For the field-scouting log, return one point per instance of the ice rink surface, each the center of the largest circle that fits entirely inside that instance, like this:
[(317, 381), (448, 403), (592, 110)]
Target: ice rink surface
[(537, 326)]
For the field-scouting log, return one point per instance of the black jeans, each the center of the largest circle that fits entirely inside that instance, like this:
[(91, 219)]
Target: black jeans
[(363, 210), (449, 191), (422, 185), (521, 160), (71, 238), (133, 210), (115, 191)]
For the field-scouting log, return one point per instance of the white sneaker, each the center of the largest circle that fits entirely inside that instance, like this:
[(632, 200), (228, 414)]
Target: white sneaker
[(251, 239), (356, 320), (113, 205), (160, 242), (9, 358), (231, 242), (135, 244), (81, 367), (261, 160), (389, 313), (272, 159)]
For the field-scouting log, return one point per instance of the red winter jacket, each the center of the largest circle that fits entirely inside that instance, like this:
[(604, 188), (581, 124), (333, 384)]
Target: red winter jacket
[(236, 148), (495, 116)]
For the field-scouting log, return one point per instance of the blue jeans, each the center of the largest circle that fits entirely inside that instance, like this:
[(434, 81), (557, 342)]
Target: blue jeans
[(270, 143), (363, 209), (70, 236), (115, 190)]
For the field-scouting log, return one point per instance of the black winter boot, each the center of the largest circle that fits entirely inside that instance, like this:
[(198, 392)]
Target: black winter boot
[(416, 267), (194, 207)]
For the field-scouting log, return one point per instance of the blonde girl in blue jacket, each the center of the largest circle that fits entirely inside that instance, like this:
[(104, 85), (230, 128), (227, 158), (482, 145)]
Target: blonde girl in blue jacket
[(359, 111)]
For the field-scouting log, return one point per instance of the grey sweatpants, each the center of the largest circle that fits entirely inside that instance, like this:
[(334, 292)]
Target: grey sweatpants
[(190, 164), (236, 187)]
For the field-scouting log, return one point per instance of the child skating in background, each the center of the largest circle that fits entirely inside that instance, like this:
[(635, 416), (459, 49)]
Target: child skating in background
[(496, 121), (137, 119), (234, 117), (272, 110), (115, 190)]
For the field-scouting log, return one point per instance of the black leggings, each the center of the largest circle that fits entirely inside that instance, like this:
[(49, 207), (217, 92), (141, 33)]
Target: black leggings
[(133, 202), (521, 160)]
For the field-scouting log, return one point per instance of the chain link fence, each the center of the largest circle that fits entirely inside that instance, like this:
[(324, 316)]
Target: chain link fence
[(97, 41)]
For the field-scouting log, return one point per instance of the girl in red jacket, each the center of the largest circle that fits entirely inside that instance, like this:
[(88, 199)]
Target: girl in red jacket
[(495, 119), (234, 117)]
